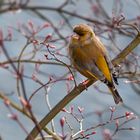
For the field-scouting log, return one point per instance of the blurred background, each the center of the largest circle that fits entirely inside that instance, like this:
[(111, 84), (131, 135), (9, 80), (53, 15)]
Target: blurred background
[(34, 37)]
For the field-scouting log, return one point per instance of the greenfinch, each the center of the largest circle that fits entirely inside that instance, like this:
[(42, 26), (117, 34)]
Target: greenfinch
[(89, 56)]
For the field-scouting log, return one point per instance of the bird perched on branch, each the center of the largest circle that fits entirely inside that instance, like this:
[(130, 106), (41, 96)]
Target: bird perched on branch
[(90, 58)]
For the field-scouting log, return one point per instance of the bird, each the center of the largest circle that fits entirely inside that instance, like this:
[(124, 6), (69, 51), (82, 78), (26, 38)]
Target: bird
[(89, 57)]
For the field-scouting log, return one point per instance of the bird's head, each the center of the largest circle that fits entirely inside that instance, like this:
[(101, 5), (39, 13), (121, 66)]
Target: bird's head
[(82, 30)]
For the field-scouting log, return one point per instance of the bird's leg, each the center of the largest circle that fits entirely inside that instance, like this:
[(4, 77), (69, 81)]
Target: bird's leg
[(104, 80), (84, 83)]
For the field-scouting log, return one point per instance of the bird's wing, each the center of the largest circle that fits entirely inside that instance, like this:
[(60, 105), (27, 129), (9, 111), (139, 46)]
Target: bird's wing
[(102, 60), (103, 66)]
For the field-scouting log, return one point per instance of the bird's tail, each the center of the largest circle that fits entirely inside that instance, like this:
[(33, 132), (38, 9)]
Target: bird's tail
[(116, 96)]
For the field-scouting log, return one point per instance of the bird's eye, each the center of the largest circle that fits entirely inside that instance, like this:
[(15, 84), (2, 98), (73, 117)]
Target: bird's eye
[(78, 31)]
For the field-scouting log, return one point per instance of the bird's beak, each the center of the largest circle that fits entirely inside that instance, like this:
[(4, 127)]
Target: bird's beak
[(75, 36)]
